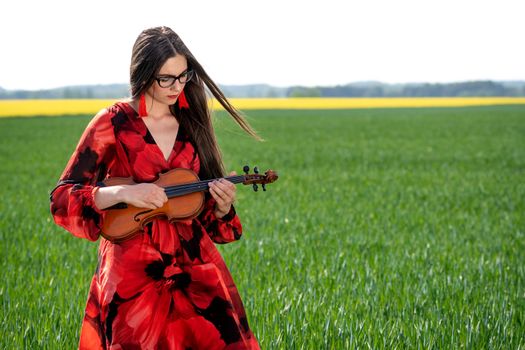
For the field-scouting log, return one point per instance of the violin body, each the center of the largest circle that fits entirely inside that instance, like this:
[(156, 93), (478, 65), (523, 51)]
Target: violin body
[(185, 194), (121, 223)]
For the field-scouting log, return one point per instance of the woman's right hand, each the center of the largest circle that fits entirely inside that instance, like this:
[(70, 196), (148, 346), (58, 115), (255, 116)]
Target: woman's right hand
[(143, 195)]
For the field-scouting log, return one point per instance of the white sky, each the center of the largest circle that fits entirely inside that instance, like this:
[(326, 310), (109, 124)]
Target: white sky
[(55, 43)]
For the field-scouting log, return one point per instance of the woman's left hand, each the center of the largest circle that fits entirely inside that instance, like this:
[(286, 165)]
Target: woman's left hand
[(223, 191)]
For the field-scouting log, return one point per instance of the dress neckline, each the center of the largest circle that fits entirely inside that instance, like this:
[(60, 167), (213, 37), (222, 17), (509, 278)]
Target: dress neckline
[(129, 109)]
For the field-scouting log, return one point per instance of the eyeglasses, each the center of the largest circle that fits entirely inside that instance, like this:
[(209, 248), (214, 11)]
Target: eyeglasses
[(166, 81)]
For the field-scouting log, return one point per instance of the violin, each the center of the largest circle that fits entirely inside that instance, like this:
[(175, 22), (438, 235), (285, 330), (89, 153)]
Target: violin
[(185, 194)]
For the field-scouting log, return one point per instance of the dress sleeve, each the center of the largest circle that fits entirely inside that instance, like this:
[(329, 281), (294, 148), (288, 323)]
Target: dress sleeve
[(72, 203), (224, 230)]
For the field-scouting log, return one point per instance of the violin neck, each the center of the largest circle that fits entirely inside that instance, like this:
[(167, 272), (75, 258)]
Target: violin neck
[(199, 186)]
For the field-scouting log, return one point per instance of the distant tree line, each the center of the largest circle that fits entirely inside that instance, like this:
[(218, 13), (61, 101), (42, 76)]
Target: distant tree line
[(462, 89), (362, 89), (68, 92)]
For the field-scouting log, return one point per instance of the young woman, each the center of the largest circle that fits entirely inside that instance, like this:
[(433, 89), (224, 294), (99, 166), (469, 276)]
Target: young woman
[(167, 287)]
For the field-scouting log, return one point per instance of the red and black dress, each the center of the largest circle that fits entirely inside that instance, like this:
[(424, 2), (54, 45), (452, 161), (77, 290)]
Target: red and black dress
[(167, 287)]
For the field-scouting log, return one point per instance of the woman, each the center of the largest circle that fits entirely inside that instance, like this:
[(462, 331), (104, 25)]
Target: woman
[(167, 287)]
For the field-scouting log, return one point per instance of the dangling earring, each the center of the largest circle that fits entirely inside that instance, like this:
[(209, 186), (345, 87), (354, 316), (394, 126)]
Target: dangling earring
[(183, 103), (143, 112)]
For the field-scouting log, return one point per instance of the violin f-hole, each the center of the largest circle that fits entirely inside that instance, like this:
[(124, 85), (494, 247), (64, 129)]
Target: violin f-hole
[(137, 218)]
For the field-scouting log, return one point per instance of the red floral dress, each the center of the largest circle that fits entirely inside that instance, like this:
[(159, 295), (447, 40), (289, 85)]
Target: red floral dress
[(167, 287)]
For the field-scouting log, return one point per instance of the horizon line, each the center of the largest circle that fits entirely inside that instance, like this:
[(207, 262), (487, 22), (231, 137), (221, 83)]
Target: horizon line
[(291, 85)]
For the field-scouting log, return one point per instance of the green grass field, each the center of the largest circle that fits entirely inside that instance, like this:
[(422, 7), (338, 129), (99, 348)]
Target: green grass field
[(388, 228)]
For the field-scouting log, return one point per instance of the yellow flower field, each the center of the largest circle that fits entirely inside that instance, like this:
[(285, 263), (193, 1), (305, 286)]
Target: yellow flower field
[(16, 108)]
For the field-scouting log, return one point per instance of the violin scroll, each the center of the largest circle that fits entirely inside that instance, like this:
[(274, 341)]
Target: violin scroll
[(256, 178)]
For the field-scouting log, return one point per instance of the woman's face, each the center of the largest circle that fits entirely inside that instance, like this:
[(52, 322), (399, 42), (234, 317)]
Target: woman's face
[(173, 67)]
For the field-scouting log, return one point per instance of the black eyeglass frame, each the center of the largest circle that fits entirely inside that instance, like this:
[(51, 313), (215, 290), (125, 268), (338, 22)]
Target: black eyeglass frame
[(188, 73)]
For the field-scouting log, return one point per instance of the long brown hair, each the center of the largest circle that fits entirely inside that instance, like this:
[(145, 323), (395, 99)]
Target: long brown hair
[(153, 47)]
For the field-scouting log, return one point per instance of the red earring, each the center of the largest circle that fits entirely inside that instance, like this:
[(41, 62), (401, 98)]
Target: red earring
[(143, 112), (183, 103)]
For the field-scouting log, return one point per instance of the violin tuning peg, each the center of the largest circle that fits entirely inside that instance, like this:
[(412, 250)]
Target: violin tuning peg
[(256, 170), (263, 187), (246, 169), (255, 188)]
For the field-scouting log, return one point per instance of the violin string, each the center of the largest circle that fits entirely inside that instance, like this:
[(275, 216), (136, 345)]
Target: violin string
[(199, 184), (179, 190), (186, 188), (174, 191)]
